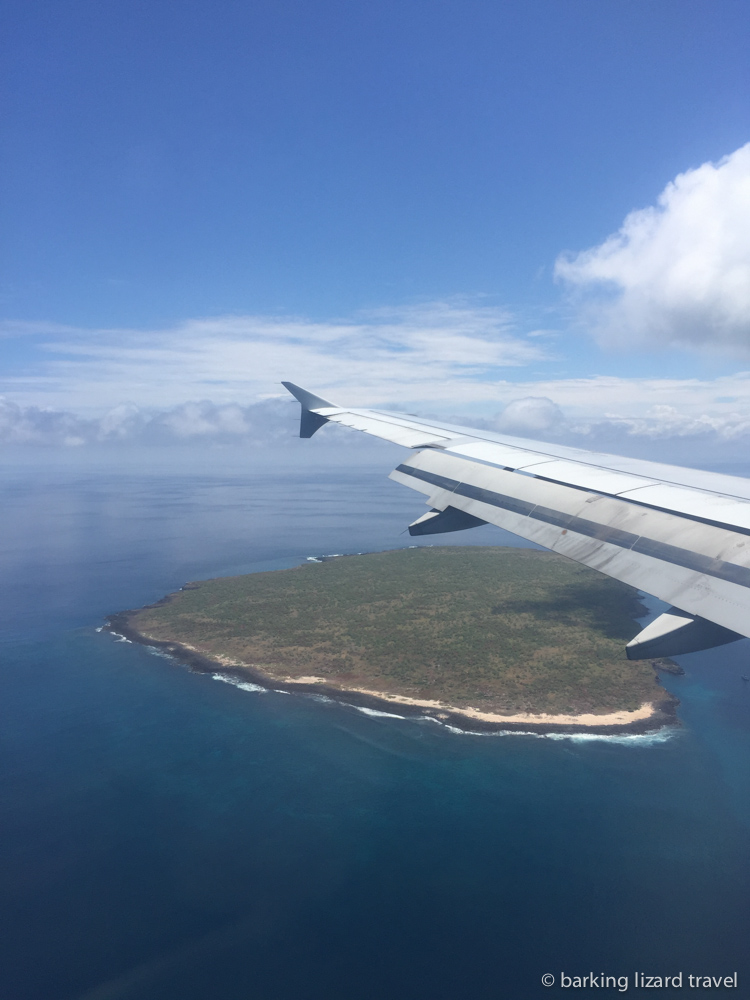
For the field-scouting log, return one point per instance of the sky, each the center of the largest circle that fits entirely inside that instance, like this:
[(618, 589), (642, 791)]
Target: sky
[(531, 215)]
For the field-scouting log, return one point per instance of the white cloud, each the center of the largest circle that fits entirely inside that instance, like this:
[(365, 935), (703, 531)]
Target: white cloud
[(666, 422), (32, 425), (530, 416), (449, 350), (215, 382), (682, 421), (264, 424), (583, 401), (266, 431), (677, 274), (670, 435)]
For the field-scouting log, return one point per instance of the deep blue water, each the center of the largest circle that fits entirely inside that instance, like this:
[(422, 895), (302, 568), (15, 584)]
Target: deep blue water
[(169, 836)]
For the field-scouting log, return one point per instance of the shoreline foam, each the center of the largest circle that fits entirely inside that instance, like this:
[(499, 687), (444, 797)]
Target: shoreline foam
[(648, 718)]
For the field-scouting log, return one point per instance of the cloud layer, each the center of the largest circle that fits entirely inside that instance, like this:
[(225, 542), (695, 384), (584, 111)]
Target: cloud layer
[(264, 424), (444, 350), (677, 274), (686, 422)]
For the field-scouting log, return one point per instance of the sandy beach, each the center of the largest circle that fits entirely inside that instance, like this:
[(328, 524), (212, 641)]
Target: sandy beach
[(624, 718), (649, 717)]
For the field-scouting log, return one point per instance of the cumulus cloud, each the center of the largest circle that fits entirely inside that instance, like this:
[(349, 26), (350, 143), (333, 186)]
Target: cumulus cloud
[(637, 408), (270, 423), (678, 273), (692, 429), (669, 435), (680, 421), (668, 423), (531, 415), (34, 425)]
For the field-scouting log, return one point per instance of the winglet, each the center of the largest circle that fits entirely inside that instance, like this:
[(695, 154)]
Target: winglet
[(309, 420)]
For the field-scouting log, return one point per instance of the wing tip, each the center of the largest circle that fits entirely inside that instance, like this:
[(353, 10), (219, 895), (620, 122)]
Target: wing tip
[(308, 399)]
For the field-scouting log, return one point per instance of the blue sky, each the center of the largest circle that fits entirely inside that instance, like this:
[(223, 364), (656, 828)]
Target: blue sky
[(410, 202)]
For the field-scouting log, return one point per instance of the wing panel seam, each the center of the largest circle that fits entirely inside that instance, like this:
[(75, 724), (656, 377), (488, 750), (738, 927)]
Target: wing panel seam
[(728, 526), (673, 554)]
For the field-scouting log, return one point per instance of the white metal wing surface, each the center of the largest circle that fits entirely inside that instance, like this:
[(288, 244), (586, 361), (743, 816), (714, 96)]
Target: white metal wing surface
[(680, 534)]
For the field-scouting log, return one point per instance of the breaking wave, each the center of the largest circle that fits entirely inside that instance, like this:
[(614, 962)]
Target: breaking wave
[(375, 713), (120, 638), (624, 739), (243, 685)]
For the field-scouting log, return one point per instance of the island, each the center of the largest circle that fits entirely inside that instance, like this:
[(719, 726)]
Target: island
[(483, 638)]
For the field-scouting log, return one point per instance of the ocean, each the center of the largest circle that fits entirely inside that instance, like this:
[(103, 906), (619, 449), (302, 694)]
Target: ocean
[(169, 836)]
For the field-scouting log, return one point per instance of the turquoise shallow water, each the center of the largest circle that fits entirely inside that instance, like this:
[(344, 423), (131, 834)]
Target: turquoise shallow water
[(169, 836)]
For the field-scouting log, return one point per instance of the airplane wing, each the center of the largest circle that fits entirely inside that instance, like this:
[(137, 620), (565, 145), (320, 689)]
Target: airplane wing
[(682, 535)]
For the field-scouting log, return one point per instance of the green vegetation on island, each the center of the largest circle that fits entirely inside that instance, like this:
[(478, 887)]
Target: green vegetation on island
[(499, 630)]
